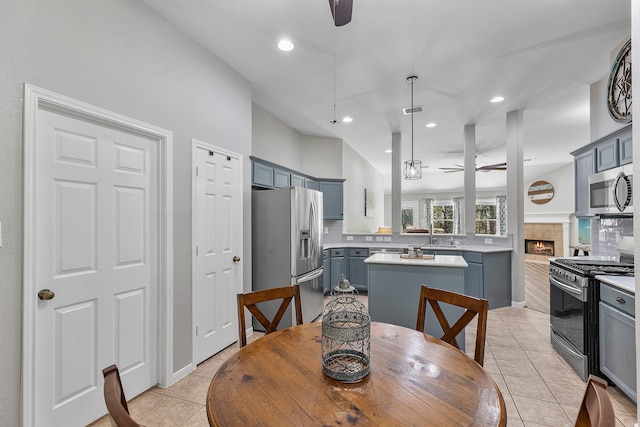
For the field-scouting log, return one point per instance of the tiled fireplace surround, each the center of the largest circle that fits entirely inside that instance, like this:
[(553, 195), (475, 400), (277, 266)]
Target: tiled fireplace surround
[(557, 232)]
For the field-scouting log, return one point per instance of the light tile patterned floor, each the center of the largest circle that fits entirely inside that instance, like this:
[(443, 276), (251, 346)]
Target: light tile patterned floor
[(539, 388)]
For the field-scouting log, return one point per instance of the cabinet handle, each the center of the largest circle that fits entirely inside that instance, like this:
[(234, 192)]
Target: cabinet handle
[(621, 300)]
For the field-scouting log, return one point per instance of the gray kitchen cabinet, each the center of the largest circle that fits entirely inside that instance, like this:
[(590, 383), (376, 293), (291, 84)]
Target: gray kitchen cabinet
[(339, 265), (332, 191), (297, 180), (358, 271), (474, 275), (326, 273), (311, 183), (488, 275), (584, 165), (608, 152), (617, 338), (261, 175), (607, 155), (281, 178), (625, 145)]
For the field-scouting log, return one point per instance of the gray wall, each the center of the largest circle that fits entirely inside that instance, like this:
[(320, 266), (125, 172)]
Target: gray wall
[(121, 56)]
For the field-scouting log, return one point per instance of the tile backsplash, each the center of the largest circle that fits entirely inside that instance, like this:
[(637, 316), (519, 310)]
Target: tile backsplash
[(606, 233)]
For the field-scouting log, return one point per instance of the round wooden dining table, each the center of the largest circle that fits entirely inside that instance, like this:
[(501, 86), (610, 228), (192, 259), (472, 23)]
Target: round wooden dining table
[(415, 380)]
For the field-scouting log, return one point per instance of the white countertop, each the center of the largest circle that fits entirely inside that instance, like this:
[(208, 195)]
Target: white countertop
[(390, 245), (627, 283), (437, 261)]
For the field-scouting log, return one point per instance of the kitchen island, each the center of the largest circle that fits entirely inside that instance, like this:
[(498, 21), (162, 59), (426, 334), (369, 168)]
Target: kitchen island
[(394, 288)]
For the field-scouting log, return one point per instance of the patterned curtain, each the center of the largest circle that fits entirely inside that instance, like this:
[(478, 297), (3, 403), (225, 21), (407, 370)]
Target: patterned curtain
[(428, 214), (458, 215), (501, 213)]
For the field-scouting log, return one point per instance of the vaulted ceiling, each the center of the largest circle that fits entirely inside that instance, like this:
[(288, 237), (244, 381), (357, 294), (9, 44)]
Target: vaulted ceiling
[(541, 56)]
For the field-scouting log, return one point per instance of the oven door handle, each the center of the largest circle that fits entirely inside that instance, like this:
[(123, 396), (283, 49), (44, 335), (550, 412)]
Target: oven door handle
[(561, 341), (569, 289)]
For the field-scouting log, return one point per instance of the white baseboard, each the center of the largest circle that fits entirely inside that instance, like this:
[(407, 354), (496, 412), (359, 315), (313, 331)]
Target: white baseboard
[(177, 376), (518, 304)]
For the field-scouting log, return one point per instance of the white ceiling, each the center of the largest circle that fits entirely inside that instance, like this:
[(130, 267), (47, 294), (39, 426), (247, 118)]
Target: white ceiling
[(541, 55)]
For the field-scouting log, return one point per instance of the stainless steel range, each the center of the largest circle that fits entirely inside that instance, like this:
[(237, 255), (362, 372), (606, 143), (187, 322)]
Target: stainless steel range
[(574, 296)]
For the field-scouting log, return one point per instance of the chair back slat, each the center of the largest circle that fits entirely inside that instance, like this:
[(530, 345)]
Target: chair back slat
[(473, 307), (596, 409), (250, 301), (115, 399)]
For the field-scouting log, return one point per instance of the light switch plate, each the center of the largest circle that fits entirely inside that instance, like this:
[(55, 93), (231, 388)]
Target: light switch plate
[(349, 237), (387, 239), (488, 241), (326, 230), (368, 238), (379, 238)]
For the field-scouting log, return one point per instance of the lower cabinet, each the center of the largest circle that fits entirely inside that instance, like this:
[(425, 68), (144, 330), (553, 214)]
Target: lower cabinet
[(326, 273), (339, 266), (488, 276), (617, 338), (358, 272)]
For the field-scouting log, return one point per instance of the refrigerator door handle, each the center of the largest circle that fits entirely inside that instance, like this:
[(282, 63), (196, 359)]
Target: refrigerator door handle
[(308, 277)]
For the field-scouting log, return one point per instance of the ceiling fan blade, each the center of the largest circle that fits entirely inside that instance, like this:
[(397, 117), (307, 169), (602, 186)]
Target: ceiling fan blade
[(494, 167), (341, 11)]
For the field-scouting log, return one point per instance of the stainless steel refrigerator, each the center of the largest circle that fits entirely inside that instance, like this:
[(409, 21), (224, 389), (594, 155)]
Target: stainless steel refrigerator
[(287, 248)]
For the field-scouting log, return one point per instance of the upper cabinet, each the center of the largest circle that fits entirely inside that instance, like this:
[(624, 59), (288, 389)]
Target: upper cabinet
[(626, 148), (281, 178), (267, 175), (606, 153), (332, 198), (261, 175), (584, 165)]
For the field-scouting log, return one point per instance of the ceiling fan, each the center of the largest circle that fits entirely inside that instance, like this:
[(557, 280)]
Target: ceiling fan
[(341, 11), (479, 168)]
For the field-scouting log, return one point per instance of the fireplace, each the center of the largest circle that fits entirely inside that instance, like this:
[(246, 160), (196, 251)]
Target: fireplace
[(539, 247)]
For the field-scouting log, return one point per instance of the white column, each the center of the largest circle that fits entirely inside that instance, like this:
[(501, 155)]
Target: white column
[(515, 204), (470, 179), (396, 182)]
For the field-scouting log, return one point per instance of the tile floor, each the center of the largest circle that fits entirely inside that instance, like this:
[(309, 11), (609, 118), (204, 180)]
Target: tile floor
[(539, 389)]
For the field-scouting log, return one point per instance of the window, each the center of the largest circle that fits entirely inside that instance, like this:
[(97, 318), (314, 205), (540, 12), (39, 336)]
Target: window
[(486, 218), (443, 218), (409, 215)]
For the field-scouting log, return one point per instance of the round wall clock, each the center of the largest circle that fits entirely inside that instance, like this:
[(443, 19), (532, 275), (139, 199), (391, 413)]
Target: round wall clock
[(619, 86), (540, 192)]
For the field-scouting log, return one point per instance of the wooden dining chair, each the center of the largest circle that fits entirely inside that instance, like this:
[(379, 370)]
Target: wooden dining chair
[(249, 300), (474, 306), (596, 409), (115, 399)]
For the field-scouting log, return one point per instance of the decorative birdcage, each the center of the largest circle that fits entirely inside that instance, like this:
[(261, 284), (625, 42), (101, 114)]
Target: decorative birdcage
[(346, 335)]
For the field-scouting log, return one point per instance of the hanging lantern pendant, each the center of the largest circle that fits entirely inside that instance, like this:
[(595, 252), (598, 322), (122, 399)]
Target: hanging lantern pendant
[(412, 168)]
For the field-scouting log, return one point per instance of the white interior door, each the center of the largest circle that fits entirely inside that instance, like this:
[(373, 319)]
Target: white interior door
[(217, 236), (95, 240)]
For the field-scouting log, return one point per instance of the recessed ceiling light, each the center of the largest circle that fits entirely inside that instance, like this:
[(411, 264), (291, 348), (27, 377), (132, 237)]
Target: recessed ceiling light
[(347, 119), (388, 151), (497, 99), (431, 125), (285, 45)]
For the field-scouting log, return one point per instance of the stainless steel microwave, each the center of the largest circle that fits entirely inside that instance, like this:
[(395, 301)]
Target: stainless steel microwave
[(611, 191)]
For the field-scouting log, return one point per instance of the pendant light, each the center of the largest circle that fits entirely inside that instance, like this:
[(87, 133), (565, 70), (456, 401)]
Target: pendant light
[(412, 168)]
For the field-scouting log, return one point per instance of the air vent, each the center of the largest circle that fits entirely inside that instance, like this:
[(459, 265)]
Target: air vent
[(409, 110)]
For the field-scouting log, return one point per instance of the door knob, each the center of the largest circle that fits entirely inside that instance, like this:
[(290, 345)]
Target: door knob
[(236, 258), (46, 294)]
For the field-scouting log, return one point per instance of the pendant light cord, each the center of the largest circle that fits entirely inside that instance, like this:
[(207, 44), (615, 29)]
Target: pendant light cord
[(334, 121), (412, 79)]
